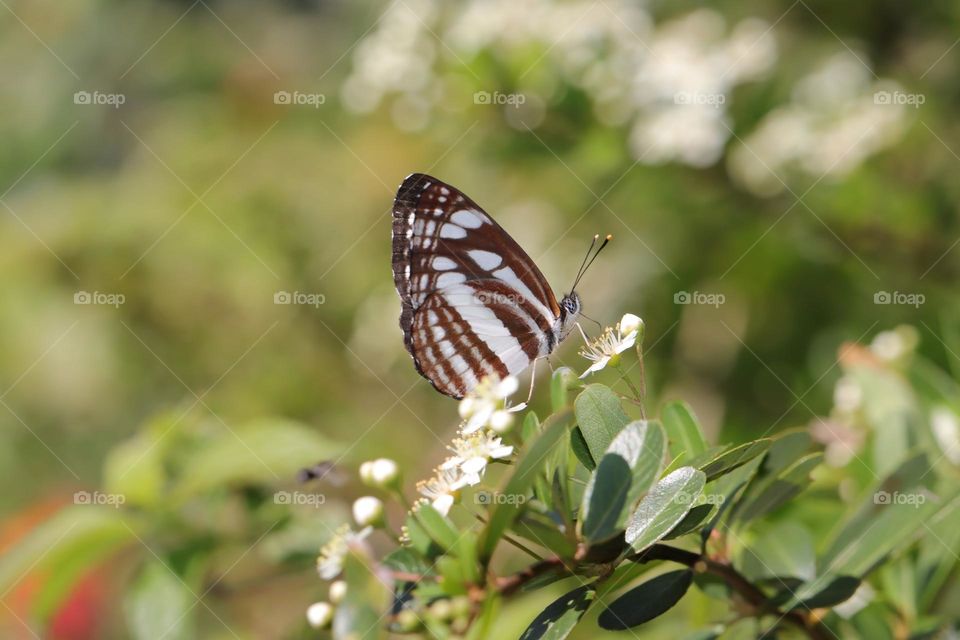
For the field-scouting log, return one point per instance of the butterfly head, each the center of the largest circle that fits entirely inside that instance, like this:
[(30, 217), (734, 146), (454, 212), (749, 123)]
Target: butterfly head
[(570, 307)]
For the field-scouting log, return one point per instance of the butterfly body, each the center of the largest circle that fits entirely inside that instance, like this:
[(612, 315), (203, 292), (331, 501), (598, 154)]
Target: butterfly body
[(474, 303)]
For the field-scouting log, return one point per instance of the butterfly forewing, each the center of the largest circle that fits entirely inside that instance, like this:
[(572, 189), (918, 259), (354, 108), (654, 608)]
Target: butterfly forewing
[(473, 302)]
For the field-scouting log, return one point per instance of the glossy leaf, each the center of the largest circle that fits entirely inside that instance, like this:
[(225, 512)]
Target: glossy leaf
[(775, 490), (626, 472), (646, 601), (683, 431), (580, 449), (600, 417), (437, 526), (736, 457), (694, 519), (561, 616), (664, 507)]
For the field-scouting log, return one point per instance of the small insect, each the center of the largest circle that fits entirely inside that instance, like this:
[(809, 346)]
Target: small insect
[(474, 304)]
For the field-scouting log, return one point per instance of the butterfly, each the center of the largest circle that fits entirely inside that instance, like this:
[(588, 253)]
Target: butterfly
[(473, 303)]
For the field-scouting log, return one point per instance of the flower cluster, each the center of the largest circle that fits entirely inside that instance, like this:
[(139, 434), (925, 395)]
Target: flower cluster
[(486, 413)]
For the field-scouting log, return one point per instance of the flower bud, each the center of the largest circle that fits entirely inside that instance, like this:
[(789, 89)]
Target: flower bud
[(630, 323), (320, 615), (501, 421), (466, 407), (366, 475), (408, 621), (368, 512), (337, 591), (384, 473)]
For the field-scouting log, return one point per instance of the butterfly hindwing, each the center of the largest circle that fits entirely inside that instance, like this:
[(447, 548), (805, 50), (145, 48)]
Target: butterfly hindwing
[(474, 303)]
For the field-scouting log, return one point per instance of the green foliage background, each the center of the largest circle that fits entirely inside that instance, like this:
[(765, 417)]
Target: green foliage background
[(200, 198)]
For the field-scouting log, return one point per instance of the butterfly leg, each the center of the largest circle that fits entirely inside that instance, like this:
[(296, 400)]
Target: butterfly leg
[(533, 377)]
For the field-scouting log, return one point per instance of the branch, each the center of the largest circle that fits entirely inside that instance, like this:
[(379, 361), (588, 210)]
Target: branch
[(738, 583)]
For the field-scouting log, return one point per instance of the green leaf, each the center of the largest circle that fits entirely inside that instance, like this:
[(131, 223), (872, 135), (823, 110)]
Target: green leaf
[(256, 453), (691, 522), (135, 468), (526, 469), (783, 549), (774, 491), (159, 604), (531, 426), (894, 525), (406, 560), (683, 431), (600, 417), (359, 615), (664, 507), (580, 449), (605, 500), (561, 616), (437, 526), (646, 601), (561, 381), (818, 594), (542, 531), (627, 470), (420, 540), (786, 448), (736, 457)]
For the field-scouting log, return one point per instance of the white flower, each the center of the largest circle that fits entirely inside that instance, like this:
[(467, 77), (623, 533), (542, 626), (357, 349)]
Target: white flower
[(443, 489), (368, 511), (612, 342), (320, 615), (337, 591), (481, 406), (382, 473), (473, 452), (330, 560)]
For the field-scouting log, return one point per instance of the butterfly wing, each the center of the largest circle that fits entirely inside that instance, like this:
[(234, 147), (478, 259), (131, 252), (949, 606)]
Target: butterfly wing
[(473, 302)]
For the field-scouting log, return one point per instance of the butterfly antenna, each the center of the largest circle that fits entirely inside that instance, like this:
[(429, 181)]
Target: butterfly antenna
[(582, 314), (586, 263)]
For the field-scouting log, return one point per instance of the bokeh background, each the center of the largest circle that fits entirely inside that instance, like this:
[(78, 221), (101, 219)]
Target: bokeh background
[(779, 176)]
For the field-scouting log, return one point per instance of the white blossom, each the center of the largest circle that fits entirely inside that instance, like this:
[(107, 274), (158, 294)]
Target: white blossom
[(611, 343), (332, 555)]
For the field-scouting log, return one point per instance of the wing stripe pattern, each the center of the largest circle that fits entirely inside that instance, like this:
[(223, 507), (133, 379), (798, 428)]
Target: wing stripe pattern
[(473, 302)]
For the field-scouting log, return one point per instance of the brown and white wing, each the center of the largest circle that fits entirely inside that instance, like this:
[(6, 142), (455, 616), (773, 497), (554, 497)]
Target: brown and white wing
[(473, 302)]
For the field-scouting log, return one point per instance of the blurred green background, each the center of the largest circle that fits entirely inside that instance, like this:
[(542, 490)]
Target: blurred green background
[(184, 163)]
